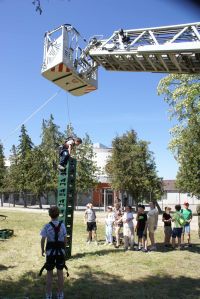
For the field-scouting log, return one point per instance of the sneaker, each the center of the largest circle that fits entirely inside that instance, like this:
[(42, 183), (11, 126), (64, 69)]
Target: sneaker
[(110, 244), (144, 250), (60, 295), (60, 167), (48, 296), (88, 242), (153, 248)]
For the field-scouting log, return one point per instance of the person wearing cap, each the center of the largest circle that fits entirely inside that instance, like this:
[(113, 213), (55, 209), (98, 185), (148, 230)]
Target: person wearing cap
[(187, 215), (167, 219)]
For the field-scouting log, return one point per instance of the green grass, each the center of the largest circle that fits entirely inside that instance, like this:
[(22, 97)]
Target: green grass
[(96, 272)]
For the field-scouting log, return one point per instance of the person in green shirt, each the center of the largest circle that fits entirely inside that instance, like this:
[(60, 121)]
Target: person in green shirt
[(187, 215), (177, 228)]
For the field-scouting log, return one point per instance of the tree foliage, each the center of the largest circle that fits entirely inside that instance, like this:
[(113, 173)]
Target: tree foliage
[(132, 168), (34, 169), (51, 139), (2, 170), (182, 93), (86, 178)]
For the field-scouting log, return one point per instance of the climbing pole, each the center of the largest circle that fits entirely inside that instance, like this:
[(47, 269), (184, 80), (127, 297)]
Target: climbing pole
[(65, 200)]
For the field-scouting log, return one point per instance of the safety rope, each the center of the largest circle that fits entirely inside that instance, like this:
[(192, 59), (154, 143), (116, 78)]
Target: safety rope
[(31, 115)]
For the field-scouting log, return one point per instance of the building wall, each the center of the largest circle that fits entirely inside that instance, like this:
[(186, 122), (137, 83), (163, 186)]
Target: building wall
[(173, 198)]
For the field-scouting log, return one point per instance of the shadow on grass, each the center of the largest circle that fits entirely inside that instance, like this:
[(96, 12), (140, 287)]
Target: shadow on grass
[(93, 284), (96, 253), (195, 248), (3, 268)]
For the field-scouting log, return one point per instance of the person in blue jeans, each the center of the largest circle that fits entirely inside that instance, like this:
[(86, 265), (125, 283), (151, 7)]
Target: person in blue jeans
[(65, 151), (187, 215), (177, 227), (109, 221)]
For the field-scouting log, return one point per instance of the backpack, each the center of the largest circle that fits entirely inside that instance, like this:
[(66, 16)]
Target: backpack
[(180, 219)]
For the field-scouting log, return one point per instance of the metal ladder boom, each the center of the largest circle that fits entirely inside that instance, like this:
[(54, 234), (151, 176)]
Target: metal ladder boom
[(169, 49)]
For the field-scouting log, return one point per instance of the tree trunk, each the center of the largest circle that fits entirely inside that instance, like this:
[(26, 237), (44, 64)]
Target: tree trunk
[(136, 206), (24, 199), (39, 201), (158, 207), (2, 199)]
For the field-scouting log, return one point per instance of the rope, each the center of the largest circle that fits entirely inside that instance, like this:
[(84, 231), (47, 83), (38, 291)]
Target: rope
[(68, 112), (31, 115)]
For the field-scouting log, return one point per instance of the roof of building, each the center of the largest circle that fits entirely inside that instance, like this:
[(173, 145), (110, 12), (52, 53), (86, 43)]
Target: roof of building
[(100, 145), (169, 185)]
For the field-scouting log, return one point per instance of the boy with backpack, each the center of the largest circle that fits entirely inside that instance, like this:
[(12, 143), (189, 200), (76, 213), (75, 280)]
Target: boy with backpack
[(178, 223), (65, 151), (54, 233)]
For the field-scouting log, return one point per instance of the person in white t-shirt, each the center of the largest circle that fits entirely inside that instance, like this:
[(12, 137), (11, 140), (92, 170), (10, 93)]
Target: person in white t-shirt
[(65, 151), (128, 228), (109, 221), (152, 222), (54, 234)]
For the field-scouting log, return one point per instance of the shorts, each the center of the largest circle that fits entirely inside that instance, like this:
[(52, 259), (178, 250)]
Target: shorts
[(186, 229), (176, 232), (151, 228), (141, 234), (168, 231), (53, 261), (91, 226)]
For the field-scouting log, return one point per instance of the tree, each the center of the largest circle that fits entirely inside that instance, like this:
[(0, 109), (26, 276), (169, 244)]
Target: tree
[(38, 175), (2, 172), (13, 174), (51, 139), (86, 178), (132, 168), (182, 93), (23, 151)]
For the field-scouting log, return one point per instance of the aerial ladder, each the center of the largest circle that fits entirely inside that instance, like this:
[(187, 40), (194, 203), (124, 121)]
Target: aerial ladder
[(72, 63)]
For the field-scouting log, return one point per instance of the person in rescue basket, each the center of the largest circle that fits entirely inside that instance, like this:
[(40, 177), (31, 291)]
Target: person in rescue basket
[(54, 233)]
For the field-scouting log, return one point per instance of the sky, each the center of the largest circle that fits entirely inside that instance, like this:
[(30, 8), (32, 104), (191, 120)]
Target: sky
[(123, 101)]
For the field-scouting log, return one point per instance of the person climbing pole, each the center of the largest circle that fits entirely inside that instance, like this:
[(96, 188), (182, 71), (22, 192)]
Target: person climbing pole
[(65, 151)]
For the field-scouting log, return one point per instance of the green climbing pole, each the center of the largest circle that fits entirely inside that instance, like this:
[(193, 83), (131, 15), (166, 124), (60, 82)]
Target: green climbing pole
[(65, 200)]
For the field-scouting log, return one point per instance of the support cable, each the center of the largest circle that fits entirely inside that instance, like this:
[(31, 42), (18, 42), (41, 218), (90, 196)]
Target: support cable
[(31, 115)]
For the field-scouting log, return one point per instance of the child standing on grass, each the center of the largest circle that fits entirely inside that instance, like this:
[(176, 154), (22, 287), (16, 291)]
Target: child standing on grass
[(109, 220), (118, 223), (167, 219), (54, 233), (128, 228), (90, 220), (152, 223), (177, 227), (141, 228), (187, 215)]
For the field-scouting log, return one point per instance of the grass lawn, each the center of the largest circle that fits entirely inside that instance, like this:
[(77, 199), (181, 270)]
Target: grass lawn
[(96, 272)]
